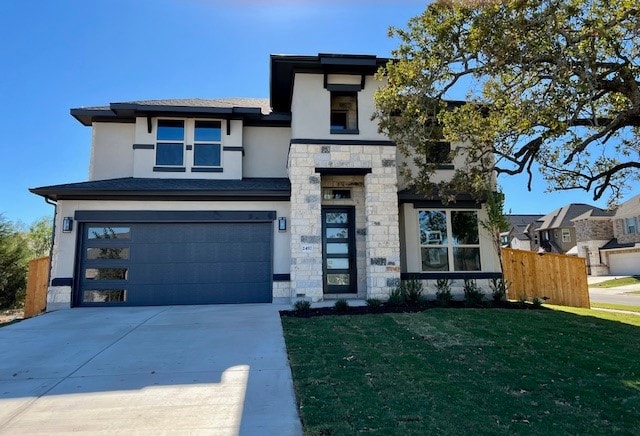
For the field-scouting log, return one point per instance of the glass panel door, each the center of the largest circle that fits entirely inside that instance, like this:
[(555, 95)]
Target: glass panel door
[(338, 250)]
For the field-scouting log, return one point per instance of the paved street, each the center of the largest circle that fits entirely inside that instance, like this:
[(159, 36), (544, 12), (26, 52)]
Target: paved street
[(619, 295)]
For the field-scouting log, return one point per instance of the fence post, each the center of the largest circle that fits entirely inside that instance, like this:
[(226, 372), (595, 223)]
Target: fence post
[(37, 283)]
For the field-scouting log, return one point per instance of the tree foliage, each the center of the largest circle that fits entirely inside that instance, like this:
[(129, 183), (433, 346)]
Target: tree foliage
[(549, 85), (14, 255), (40, 236)]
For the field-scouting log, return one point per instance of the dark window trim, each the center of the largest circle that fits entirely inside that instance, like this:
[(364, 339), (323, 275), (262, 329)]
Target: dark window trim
[(438, 204), (189, 147), (141, 216), (305, 141), (281, 277), (207, 170), (345, 132), (144, 146), (343, 88), (344, 171), (446, 167), (62, 281), (169, 169), (453, 275), (230, 148)]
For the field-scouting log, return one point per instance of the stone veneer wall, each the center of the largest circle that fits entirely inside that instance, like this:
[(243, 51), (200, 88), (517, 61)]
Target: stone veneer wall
[(618, 230), (382, 248), (591, 229)]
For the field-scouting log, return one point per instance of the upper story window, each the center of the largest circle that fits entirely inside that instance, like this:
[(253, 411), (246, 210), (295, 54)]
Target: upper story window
[(438, 151), (566, 235), (630, 225), (170, 143), (449, 240), (207, 144), (344, 112)]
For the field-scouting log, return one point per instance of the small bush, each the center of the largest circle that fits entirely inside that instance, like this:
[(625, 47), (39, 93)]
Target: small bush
[(413, 291), (443, 292), (473, 295), (397, 297), (374, 303), (302, 306), (498, 289), (341, 305)]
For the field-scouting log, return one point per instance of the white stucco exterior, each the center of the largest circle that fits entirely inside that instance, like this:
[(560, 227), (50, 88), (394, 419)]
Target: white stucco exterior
[(265, 151), (111, 151)]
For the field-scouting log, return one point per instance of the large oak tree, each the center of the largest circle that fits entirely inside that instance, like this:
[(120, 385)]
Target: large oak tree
[(548, 85)]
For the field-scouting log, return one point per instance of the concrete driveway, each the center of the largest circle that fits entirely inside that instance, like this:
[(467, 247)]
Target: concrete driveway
[(179, 369)]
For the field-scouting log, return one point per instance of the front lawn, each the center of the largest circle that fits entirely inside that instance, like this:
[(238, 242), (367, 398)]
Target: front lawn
[(467, 371), (614, 283), (616, 307)]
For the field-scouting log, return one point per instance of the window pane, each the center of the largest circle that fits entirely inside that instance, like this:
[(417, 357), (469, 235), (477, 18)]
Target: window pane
[(170, 130), (206, 155), (107, 253), (108, 233), (466, 259), (438, 152), (337, 263), (338, 279), (208, 131), (106, 273), (169, 153), (433, 227), (336, 218), (435, 259), (464, 226), (344, 111), (337, 248), (104, 296), (337, 233)]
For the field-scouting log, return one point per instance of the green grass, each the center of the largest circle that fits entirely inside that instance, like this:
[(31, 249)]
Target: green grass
[(466, 371), (613, 283), (616, 307)]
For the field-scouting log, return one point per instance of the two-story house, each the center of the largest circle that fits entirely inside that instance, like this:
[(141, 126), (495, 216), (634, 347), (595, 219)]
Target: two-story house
[(611, 241), (522, 233), (204, 201), (556, 232)]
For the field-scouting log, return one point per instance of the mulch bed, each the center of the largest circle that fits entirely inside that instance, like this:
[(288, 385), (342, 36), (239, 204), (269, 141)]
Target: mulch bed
[(385, 308)]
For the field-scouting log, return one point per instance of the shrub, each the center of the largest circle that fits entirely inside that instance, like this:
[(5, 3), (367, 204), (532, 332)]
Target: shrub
[(341, 305), (397, 297), (302, 306), (498, 289), (473, 295), (413, 291), (443, 292), (374, 303)]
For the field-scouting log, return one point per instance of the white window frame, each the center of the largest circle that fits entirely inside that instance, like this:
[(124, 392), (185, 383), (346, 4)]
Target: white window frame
[(449, 245), (566, 235)]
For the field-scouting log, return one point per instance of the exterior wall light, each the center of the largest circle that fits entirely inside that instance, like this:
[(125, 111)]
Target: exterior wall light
[(67, 224), (282, 224)]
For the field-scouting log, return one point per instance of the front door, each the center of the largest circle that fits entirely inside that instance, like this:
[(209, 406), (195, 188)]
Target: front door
[(338, 250)]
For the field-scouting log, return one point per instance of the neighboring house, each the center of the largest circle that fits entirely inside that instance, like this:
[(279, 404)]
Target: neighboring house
[(611, 241), (204, 201), (522, 233), (557, 233)]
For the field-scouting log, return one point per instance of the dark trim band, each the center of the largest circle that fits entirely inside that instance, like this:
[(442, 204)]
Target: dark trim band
[(172, 216), (62, 281), (144, 146), (343, 88), (450, 275), (431, 204), (344, 171), (189, 147), (281, 277), (233, 148), (206, 170), (344, 131), (169, 169), (342, 142)]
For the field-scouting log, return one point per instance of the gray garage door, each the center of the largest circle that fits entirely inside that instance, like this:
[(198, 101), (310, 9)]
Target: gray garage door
[(142, 264)]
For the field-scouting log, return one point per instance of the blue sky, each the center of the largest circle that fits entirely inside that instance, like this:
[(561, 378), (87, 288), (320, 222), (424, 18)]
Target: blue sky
[(61, 54)]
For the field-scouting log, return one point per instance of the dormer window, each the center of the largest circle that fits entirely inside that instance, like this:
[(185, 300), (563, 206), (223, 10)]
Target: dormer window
[(170, 143), (207, 144), (344, 112)]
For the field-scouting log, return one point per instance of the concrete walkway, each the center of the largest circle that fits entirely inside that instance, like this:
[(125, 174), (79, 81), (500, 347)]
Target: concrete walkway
[(173, 370)]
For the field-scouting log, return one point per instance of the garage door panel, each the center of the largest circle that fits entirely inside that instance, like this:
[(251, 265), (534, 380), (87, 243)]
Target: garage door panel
[(182, 263), (624, 263)]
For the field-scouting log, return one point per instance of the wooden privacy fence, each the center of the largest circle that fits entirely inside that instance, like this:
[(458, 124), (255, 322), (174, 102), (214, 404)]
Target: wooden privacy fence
[(562, 279), (37, 282)]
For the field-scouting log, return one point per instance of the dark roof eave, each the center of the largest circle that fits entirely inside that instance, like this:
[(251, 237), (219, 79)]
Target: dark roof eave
[(177, 195)]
